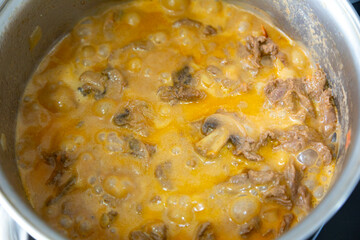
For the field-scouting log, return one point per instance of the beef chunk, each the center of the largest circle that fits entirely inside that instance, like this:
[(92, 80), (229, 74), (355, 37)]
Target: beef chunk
[(181, 89), (262, 177), (154, 231), (241, 178), (61, 163), (327, 113), (316, 84), (246, 228), (278, 194), (162, 173), (292, 177), (299, 137), (206, 30), (285, 223), (289, 93), (205, 232), (262, 46), (303, 198), (246, 146)]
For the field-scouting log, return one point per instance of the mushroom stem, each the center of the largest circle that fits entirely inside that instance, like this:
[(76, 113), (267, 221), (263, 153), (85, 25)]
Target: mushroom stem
[(210, 145)]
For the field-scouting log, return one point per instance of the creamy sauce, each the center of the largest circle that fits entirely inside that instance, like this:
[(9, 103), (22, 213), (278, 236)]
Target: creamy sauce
[(56, 117)]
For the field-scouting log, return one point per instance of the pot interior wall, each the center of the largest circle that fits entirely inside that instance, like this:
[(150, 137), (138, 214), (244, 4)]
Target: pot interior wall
[(305, 21)]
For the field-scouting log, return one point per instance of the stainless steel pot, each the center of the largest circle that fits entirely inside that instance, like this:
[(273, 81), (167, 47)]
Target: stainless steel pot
[(330, 29)]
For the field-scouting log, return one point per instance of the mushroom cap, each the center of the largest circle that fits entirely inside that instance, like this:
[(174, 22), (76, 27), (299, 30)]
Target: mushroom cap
[(229, 121)]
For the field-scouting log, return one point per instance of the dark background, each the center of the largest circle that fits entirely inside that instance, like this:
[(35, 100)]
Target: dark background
[(346, 223)]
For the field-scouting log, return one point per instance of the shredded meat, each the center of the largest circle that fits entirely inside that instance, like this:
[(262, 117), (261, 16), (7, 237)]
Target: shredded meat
[(303, 198), (247, 228), (246, 146), (285, 223), (288, 93), (278, 194), (261, 46), (292, 177), (327, 113), (316, 84), (262, 177), (299, 137), (205, 232)]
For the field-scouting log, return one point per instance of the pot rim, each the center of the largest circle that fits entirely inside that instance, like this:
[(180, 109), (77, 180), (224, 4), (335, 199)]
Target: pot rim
[(331, 203)]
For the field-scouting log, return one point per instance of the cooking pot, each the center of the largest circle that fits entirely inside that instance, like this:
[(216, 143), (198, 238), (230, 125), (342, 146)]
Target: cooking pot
[(329, 29)]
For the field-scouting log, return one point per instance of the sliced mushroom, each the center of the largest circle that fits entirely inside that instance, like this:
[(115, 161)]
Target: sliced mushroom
[(219, 128), (109, 80), (135, 115), (181, 89), (108, 218), (162, 173), (153, 231), (61, 191), (285, 223)]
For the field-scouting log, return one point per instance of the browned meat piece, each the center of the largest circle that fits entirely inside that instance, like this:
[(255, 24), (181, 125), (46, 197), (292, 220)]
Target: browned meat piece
[(61, 191), (246, 146), (262, 46), (278, 194), (241, 178), (246, 228), (135, 115), (181, 93), (162, 173), (207, 30), (154, 231), (285, 223), (182, 89), (61, 163), (287, 93), (303, 198), (299, 137), (262, 177), (108, 218), (327, 113), (323, 151), (292, 177), (205, 232), (316, 84)]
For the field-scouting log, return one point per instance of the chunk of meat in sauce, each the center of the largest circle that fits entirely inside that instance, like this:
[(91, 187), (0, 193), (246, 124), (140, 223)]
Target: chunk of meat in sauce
[(278, 195), (299, 137), (262, 177), (262, 46), (206, 30), (285, 223), (288, 93), (154, 231), (303, 198), (137, 148), (205, 232), (247, 228), (181, 89), (327, 113), (316, 84), (246, 146), (292, 177)]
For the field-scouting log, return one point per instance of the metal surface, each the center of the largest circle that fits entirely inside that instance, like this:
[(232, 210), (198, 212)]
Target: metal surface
[(329, 29)]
